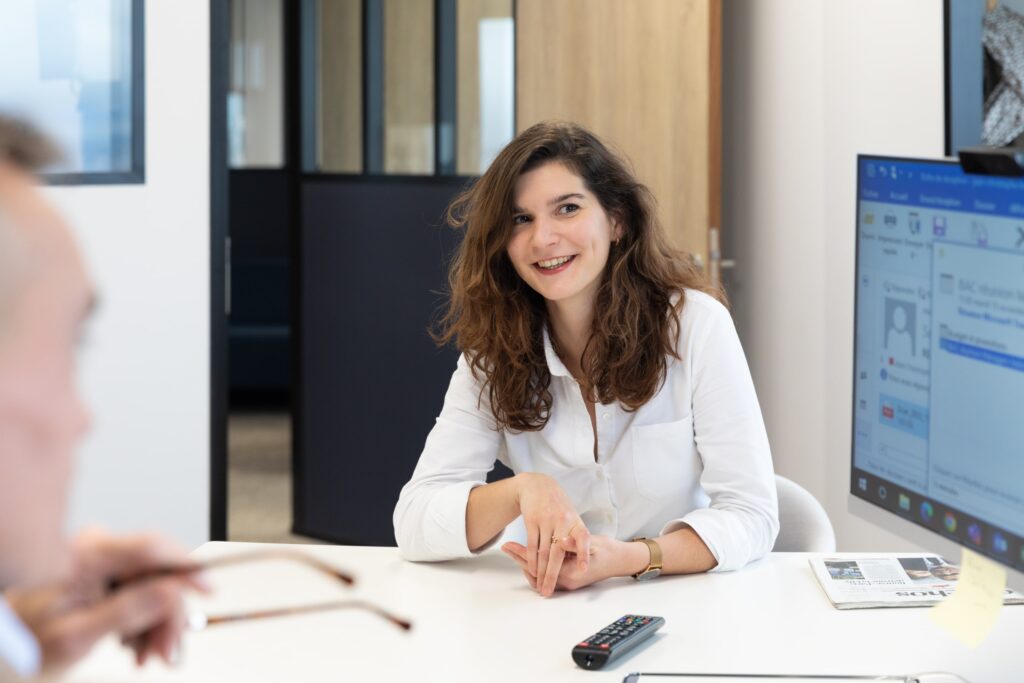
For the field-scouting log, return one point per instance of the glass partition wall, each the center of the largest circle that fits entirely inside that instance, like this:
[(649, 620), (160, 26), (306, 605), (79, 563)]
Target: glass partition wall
[(256, 97), (352, 125), (333, 97), (400, 101), (406, 87), (485, 52), (409, 125)]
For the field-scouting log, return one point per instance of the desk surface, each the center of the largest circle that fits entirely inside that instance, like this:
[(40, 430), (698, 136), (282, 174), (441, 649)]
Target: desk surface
[(477, 620)]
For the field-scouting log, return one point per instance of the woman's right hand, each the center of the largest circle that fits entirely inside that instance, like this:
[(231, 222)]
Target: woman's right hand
[(553, 527)]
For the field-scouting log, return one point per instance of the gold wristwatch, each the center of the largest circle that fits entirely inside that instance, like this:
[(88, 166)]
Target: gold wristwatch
[(654, 568)]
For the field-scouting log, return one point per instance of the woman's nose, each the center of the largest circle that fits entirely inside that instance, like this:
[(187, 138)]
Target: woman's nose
[(543, 232)]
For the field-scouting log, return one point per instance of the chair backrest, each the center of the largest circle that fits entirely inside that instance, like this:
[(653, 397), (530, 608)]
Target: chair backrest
[(803, 524)]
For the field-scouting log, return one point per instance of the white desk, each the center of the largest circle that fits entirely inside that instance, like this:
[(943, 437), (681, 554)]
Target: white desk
[(477, 620)]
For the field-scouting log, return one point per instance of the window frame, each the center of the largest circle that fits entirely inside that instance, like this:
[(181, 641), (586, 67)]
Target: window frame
[(136, 174)]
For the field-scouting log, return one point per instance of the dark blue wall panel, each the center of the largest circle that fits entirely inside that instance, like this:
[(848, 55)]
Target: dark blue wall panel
[(369, 380)]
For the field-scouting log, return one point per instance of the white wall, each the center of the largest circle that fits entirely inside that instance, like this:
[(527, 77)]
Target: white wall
[(146, 367), (808, 85)]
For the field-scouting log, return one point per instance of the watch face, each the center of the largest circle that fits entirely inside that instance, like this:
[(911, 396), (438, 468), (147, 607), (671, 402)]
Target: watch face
[(649, 574)]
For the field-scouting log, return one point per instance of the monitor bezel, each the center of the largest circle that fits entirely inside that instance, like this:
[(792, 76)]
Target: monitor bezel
[(863, 507)]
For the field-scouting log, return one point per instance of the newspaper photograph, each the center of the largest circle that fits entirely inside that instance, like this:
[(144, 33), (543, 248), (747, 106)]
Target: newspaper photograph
[(891, 581)]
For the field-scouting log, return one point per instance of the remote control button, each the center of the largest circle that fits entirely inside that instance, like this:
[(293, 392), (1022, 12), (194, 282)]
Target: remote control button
[(605, 646), (584, 644)]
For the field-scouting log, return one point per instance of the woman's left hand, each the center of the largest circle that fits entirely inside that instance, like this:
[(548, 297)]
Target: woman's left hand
[(608, 557)]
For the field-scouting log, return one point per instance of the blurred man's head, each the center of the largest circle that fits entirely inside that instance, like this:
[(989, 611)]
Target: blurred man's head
[(45, 296)]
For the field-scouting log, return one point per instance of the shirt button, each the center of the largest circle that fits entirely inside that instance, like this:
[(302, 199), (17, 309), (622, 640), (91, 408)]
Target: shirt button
[(606, 415)]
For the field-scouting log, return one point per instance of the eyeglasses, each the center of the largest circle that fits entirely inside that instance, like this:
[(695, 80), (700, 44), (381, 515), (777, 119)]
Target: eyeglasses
[(199, 622)]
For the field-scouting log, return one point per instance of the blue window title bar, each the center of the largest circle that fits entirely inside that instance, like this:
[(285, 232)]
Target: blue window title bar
[(938, 185)]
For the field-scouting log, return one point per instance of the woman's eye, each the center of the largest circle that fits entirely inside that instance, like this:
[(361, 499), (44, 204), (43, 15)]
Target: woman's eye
[(567, 209), (521, 219)]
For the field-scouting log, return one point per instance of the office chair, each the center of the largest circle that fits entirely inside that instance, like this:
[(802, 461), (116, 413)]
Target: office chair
[(803, 524)]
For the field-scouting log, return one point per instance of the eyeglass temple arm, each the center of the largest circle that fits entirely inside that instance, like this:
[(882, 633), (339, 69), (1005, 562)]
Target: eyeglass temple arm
[(275, 554), (202, 622), (191, 568)]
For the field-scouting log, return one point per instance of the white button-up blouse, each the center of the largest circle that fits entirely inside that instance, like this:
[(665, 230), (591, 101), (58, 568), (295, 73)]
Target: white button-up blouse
[(696, 454)]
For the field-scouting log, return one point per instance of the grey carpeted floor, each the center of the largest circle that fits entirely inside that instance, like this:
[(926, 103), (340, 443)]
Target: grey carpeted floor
[(259, 478)]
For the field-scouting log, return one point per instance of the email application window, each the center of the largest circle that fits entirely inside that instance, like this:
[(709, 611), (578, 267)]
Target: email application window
[(976, 433), (938, 414), (894, 323)]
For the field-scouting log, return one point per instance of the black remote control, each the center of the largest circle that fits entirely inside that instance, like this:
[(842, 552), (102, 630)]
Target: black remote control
[(614, 640)]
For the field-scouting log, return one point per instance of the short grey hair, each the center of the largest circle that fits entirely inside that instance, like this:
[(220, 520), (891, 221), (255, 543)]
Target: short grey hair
[(27, 149)]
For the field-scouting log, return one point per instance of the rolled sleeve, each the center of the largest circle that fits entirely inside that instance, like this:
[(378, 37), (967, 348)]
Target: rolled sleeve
[(444, 530), (741, 521), (430, 517)]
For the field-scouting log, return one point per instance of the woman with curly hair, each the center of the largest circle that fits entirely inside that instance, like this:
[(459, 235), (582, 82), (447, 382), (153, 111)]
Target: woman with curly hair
[(599, 366)]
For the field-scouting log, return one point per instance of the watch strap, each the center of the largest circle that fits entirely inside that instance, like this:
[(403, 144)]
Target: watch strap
[(655, 563)]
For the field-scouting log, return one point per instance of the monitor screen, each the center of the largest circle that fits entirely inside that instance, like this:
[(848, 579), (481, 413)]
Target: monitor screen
[(938, 405)]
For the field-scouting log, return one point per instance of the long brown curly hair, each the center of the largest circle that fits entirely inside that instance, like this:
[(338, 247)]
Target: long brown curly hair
[(497, 320)]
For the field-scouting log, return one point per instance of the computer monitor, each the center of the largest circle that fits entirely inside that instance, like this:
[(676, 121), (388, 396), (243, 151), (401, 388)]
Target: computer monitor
[(938, 390)]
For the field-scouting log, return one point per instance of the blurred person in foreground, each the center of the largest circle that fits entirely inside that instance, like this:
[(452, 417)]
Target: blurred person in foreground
[(55, 600)]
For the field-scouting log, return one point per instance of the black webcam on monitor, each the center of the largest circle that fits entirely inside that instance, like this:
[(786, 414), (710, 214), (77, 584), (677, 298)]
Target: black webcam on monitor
[(1001, 161)]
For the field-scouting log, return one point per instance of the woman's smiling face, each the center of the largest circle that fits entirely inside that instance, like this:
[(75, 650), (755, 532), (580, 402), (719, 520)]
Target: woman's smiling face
[(561, 235)]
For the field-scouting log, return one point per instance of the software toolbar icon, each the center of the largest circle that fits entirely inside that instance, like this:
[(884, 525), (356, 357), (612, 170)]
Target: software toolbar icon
[(927, 511), (999, 543), (979, 233), (914, 223), (950, 522)]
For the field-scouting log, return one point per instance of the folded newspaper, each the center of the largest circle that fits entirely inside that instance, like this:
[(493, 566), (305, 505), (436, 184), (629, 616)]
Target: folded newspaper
[(891, 581)]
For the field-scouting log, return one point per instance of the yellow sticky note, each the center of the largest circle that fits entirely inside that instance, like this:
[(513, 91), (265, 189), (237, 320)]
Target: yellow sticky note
[(971, 612)]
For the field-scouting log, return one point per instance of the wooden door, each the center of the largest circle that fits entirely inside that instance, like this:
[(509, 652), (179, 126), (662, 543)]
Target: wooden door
[(645, 76)]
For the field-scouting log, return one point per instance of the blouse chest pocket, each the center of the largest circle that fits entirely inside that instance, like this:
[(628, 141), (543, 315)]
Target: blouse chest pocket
[(665, 460)]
